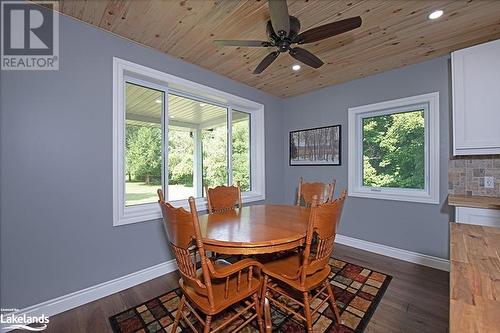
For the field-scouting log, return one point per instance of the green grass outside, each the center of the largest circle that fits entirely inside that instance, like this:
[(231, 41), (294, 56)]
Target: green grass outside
[(140, 193)]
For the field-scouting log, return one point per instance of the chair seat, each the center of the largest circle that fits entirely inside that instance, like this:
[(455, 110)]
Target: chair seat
[(286, 268), (218, 287)]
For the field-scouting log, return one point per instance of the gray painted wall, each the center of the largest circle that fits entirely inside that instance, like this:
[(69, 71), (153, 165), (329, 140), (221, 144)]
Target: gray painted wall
[(415, 227), (56, 167)]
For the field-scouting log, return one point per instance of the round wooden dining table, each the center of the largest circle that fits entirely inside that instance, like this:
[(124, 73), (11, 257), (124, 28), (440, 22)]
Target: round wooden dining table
[(255, 229)]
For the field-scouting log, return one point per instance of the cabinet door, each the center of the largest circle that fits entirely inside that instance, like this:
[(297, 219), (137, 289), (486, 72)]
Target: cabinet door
[(479, 216), (476, 99)]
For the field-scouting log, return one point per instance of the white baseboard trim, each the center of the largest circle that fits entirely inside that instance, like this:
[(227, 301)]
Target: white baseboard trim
[(87, 295), (393, 252)]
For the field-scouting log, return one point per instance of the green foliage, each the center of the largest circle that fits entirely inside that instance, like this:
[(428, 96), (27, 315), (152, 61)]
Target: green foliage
[(214, 156), (393, 150), (130, 137), (180, 157), (215, 159), (241, 154), (143, 152), (143, 155)]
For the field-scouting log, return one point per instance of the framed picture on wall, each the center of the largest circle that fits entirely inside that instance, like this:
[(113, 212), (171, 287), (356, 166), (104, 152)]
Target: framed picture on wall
[(316, 146)]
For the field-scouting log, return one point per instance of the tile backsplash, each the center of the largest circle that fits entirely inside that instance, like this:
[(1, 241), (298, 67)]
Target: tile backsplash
[(466, 175)]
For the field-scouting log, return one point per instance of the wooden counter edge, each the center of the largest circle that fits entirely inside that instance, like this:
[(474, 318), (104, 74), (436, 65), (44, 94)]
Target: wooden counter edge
[(474, 201)]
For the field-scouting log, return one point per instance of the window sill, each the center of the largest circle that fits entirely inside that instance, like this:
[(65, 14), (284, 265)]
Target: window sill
[(149, 212), (408, 196)]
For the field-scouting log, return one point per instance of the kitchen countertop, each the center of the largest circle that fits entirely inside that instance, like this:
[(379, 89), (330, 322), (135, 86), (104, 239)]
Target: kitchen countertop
[(474, 278), (474, 201)]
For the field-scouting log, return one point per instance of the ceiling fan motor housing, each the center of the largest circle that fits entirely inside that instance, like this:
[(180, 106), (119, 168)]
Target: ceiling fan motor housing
[(283, 42)]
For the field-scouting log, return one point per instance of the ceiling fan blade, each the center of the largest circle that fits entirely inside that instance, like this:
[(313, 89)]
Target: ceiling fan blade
[(329, 30), (280, 19), (248, 43), (306, 57), (266, 62)]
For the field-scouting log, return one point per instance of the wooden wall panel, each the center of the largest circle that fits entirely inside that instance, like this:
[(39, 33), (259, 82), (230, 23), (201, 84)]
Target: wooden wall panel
[(394, 33)]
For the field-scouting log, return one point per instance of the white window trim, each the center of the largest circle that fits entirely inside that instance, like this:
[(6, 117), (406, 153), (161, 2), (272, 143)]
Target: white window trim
[(355, 159), (145, 212)]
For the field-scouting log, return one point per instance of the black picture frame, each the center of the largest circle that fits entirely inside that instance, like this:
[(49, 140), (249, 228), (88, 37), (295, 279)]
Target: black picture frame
[(332, 139)]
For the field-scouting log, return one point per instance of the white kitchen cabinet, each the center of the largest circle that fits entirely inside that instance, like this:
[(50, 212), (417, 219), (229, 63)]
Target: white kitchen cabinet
[(479, 216), (476, 99)]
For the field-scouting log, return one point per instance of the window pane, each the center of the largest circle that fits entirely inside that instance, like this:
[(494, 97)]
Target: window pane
[(197, 148), (394, 150), (241, 149), (142, 144)]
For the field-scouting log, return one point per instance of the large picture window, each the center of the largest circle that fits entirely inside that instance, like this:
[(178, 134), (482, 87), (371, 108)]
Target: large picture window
[(394, 149), (180, 136)]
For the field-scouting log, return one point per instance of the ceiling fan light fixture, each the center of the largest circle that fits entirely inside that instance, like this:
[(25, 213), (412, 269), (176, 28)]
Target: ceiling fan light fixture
[(435, 14), (296, 67)]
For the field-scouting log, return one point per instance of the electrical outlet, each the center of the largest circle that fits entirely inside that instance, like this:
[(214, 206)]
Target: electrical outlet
[(489, 182)]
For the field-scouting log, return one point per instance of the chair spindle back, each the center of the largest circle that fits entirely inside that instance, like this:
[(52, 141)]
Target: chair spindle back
[(306, 191), (223, 198), (184, 235), (322, 227)]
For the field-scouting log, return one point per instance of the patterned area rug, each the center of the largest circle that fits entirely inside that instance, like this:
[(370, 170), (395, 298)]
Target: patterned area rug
[(358, 291)]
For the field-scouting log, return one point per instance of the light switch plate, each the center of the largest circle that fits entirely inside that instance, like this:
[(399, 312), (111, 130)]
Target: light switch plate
[(489, 182)]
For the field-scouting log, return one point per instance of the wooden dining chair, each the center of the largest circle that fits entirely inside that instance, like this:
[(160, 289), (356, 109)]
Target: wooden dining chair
[(308, 270), (214, 287), (223, 198), (306, 191)]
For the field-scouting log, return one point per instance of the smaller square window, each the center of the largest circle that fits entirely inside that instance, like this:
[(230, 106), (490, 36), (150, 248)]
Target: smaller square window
[(394, 149)]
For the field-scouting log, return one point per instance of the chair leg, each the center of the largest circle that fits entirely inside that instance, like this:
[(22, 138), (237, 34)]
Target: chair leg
[(264, 289), (333, 303), (258, 310), (307, 311), (208, 323), (267, 316), (178, 314)]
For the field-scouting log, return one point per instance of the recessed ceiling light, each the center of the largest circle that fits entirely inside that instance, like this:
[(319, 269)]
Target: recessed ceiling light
[(436, 14), (203, 104), (158, 101), (296, 67)]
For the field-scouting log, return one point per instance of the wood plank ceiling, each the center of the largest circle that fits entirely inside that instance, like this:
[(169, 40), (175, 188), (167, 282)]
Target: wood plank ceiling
[(394, 33)]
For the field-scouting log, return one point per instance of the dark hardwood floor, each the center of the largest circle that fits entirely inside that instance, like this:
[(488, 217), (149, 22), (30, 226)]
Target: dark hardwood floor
[(416, 301)]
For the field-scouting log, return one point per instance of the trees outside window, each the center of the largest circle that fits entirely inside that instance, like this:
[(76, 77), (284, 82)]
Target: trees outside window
[(143, 147), (241, 149), (144, 154), (394, 150)]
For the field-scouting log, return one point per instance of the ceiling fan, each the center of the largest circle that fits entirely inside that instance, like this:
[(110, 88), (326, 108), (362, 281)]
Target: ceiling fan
[(283, 31)]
